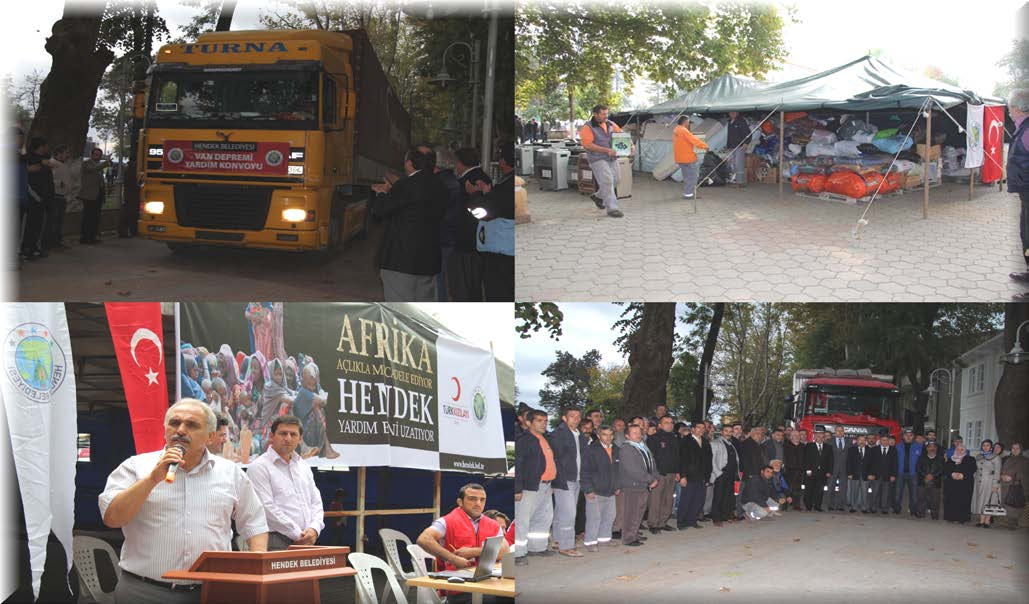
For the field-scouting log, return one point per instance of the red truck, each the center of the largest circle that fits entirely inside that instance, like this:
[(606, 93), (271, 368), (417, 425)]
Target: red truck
[(862, 402)]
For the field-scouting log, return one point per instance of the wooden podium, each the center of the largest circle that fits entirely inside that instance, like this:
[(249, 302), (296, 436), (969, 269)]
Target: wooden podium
[(264, 577)]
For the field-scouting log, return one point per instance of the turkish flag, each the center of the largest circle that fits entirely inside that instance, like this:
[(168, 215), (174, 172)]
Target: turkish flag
[(139, 344), (993, 143)]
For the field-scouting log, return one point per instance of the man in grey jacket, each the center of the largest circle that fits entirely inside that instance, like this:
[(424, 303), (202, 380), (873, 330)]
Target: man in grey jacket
[(637, 474), (838, 482)]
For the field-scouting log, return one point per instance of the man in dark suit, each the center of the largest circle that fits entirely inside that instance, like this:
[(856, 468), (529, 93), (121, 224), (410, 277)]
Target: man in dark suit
[(857, 476), (664, 447), (637, 474), (600, 484), (839, 443), (465, 279), (882, 472), (694, 472), (793, 452), (568, 444), (817, 470), (409, 255)]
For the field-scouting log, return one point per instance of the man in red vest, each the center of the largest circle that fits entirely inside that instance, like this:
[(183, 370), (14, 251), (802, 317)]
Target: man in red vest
[(457, 538)]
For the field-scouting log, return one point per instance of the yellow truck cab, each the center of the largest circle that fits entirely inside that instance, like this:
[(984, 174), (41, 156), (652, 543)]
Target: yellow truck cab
[(267, 139)]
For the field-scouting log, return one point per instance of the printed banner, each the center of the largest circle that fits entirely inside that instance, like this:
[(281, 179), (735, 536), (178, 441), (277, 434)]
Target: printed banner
[(38, 391), (226, 157), (993, 143), (373, 385), (137, 332), (974, 136)]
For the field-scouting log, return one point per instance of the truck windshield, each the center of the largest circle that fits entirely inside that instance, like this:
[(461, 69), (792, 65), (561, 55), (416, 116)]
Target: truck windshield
[(257, 100), (876, 402)]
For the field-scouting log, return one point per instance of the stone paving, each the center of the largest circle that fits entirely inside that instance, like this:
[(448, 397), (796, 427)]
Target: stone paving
[(747, 245)]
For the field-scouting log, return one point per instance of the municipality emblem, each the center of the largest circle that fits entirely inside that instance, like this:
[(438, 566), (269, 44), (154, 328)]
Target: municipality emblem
[(479, 406), (34, 362)]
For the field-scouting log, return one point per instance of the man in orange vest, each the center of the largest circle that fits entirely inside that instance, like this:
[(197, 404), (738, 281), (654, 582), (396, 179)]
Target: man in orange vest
[(684, 145), (535, 469), (596, 139)]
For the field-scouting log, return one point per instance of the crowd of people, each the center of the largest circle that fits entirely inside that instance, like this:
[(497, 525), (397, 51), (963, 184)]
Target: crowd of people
[(449, 228), (613, 481), (47, 181), (248, 391)]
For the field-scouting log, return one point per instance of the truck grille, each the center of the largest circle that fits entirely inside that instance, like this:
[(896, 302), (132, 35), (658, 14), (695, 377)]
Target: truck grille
[(208, 206)]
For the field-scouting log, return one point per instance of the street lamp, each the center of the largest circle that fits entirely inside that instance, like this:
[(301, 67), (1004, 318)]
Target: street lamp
[(1017, 355), (443, 77), (949, 373)]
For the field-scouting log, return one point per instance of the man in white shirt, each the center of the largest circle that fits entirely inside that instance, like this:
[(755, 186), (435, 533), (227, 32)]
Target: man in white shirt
[(285, 484), (168, 525)]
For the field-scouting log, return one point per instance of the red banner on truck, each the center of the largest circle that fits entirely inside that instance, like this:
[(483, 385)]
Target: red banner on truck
[(226, 157)]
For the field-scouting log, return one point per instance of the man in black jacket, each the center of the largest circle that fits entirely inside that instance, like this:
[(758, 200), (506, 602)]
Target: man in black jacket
[(567, 443), (694, 472), (409, 255), (753, 454), (817, 470), (929, 470), (793, 465), (759, 495), (534, 472), (664, 446), (496, 228), (465, 280), (739, 131), (857, 475), (882, 472), (600, 484)]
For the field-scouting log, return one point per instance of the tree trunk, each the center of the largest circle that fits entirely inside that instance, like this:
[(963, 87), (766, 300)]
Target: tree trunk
[(1010, 410), (225, 16), (67, 95), (650, 358), (571, 108), (700, 409)]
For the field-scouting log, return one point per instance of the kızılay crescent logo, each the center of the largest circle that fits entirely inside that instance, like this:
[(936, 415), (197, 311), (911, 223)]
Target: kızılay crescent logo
[(479, 406), (34, 362)]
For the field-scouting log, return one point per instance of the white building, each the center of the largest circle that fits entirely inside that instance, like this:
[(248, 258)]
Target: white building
[(981, 369)]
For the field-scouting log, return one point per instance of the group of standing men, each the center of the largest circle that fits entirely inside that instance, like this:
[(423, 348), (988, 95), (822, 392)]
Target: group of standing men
[(646, 473), (46, 181)]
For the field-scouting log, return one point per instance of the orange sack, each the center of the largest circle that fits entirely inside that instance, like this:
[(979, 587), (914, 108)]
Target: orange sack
[(846, 183), (767, 127), (818, 183), (801, 182), (894, 181), (872, 180), (792, 116)]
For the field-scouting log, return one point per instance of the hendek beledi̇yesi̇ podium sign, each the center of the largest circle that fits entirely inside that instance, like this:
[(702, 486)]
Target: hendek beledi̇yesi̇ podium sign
[(372, 386)]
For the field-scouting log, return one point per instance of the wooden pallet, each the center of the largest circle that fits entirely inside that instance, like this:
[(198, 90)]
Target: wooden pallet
[(836, 197)]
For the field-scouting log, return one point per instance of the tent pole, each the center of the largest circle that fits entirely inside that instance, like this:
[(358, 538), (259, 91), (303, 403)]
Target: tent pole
[(435, 497), (782, 135), (926, 162), (361, 476), (971, 182)]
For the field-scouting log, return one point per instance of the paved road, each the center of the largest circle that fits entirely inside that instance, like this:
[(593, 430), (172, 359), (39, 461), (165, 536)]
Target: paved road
[(747, 245), (800, 557), (140, 269)]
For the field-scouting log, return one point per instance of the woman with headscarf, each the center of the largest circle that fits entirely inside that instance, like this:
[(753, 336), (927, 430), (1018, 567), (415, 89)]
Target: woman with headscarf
[(190, 373), (958, 476), (254, 382), (309, 406), (987, 481), (292, 373), (1014, 471), (276, 399), (227, 363)]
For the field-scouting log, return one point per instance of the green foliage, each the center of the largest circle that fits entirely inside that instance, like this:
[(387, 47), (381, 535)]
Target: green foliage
[(1017, 64), (202, 22), (605, 389), (578, 46), (126, 25), (681, 378), (568, 380), (534, 317), (112, 113)]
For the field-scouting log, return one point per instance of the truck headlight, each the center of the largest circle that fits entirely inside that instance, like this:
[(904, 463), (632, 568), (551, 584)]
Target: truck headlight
[(294, 214), (154, 207)]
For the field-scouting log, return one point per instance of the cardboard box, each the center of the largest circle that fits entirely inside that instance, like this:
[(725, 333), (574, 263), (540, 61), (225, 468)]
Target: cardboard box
[(771, 175), (521, 201), (621, 142), (934, 152)]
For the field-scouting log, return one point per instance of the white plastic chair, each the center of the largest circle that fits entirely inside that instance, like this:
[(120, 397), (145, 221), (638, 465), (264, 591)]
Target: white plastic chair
[(390, 539), (84, 552), (364, 564), (426, 595)]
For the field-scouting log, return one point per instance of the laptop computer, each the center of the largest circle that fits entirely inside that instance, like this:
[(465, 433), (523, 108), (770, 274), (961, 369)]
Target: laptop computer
[(483, 570)]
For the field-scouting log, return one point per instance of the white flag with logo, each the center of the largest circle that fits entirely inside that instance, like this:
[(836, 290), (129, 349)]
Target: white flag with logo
[(38, 391), (974, 137)]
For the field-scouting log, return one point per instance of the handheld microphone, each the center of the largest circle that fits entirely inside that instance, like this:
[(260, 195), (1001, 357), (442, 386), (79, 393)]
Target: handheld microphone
[(169, 476)]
